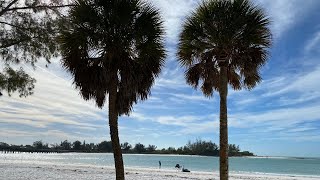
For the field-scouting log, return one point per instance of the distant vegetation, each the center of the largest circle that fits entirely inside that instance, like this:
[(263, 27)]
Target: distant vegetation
[(199, 147)]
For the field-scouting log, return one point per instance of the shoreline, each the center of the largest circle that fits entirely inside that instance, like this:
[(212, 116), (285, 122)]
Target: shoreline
[(13, 170)]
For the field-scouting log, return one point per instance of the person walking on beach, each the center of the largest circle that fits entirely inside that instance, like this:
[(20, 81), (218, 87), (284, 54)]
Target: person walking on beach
[(159, 164)]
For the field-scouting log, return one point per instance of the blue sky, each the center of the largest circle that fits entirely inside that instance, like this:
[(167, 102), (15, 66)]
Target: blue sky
[(281, 116)]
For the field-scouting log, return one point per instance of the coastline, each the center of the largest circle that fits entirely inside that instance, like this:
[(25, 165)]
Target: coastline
[(20, 170)]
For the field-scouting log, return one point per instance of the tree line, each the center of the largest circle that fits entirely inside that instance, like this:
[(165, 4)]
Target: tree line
[(199, 147)]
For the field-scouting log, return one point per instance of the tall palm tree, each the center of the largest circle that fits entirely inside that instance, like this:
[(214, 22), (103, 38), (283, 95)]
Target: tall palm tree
[(113, 48), (224, 42)]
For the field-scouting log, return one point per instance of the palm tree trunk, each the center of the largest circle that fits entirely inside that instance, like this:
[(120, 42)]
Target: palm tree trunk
[(223, 90), (113, 123)]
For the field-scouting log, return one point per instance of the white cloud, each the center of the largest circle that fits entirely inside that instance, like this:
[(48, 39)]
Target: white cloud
[(283, 14), (172, 120), (286, 13), (177, 121), (314, 43), (38, 119), (192, 97), (279, 118), (285, 90), (138, 116), (173, 83), (188, 124), (245, 101), (302, 83), (301, 129), (55, 102), (287, 120), (298, 99), (203, 127), (174, 12), (48, 136)]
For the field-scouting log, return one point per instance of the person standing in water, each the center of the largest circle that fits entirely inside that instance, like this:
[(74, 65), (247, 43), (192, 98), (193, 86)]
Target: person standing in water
[(159, 164)]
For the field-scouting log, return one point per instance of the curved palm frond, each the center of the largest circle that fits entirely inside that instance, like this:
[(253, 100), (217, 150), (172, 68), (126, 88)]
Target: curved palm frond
[(236, 32), (114, 37)]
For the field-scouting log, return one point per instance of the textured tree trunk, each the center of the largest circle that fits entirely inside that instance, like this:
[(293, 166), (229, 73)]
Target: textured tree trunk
[(223, 90), (113, 123)]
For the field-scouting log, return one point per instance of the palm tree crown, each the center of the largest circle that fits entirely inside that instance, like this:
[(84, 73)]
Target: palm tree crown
[(113, 43), (229, 33)]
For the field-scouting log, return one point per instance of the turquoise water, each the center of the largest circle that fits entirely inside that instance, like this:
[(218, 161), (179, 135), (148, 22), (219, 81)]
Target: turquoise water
[(274, 165)]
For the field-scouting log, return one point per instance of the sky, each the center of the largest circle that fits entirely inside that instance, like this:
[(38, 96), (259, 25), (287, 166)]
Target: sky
[(280, 117)]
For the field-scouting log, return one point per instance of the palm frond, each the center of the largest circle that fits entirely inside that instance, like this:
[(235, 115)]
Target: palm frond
[(236, 31), (123, 37)]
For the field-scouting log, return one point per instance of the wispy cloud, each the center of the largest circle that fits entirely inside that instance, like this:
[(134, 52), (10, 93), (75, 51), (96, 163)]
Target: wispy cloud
[(50, 136), (302, 83), (193, 98), (286, 13), (280, 118), (55, 102), (174, 12), (313, 43)]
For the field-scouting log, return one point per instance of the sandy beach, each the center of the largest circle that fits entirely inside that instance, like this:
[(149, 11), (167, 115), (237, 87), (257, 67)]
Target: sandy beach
[(19, 170)]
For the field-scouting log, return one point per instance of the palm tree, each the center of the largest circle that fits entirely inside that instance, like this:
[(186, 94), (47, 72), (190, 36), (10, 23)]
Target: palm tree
[(113, 48), (224, 42)]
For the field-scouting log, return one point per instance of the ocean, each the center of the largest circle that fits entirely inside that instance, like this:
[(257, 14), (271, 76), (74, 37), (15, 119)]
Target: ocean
[(265, 165)]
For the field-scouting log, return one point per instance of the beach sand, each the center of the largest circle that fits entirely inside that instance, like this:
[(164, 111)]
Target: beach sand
[(19, 170)]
